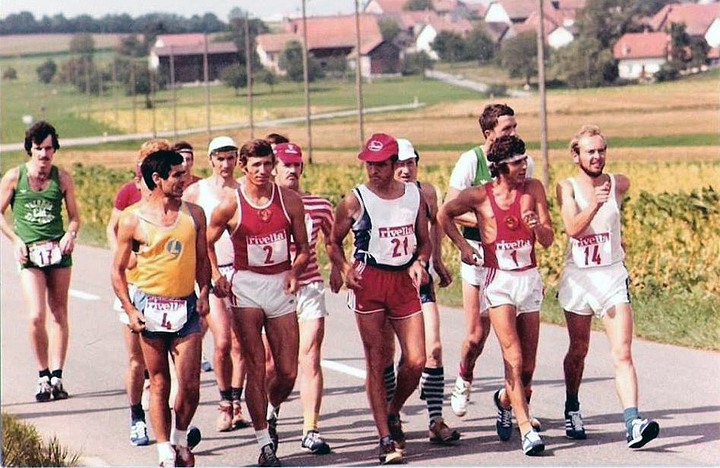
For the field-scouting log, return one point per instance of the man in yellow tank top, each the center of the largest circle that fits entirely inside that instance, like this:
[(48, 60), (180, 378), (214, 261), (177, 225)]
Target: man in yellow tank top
[(165, 310)]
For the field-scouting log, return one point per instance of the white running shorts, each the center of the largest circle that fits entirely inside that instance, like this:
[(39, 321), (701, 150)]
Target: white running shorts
[(588, 291), (522, 289), (473, 274), (311, 301), (117, 306), (266, 292)]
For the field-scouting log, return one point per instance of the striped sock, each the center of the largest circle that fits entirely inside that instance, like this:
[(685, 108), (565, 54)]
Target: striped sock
[(390, 382), (432, 384)]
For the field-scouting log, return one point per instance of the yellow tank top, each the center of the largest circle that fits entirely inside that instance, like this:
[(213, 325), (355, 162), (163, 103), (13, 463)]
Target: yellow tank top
[(166, 264)]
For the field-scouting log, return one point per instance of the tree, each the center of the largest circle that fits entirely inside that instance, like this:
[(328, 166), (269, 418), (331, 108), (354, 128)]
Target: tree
[(518, 55), (388, 28), (46, 71), (237, 34), (419, 5), (83, 44), (417, 63), (480, 45), (450, 46), (269, 78), (132, 46), (234, 76), (291, 61)]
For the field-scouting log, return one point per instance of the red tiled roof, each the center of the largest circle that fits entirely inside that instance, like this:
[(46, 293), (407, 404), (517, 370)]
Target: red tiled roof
[(518, 8), (408, 19), (276, 42), (339, 31), (642, 45), (696, 17), (461, 26), (392, 6), (168, 40), (197, 49)]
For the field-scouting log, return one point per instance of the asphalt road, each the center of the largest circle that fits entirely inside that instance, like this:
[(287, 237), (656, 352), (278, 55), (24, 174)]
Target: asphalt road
[(678, 388)]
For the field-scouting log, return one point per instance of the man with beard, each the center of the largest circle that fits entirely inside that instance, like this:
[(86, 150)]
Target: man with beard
[(595, 282)]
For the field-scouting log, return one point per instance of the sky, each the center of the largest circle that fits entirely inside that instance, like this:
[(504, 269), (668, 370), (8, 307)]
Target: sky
[(264, 9)]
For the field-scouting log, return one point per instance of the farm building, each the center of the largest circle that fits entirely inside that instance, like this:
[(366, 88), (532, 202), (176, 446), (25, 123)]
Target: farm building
[(186, 52)]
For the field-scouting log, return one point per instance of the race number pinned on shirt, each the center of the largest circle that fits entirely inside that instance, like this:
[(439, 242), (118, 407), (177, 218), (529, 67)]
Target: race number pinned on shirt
[(397, 243), (592, 250), (514, 255), (267, 249), (44, 254), (165, 315)]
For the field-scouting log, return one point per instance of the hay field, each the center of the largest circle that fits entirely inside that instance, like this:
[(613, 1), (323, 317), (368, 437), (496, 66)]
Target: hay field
[(32, 44)]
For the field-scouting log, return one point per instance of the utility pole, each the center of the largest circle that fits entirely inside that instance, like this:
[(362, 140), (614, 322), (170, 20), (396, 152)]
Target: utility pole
[(174, 91), (134, 94), (358, 76), (206, 76), (248, 72), (541, 92), (306, 82)]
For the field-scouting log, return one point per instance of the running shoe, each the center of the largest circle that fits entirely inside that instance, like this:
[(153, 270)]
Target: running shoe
[(535, 423), (44, 390), (440, 433), (532, 444), (574, 427), (460, 396), (58, 391), (225, 418), (238, 421), (193, 437), (139, 433), (643, 431), (206, 365), (272, 429), (313, 443), (268, 457), (388, 452), (184, 457), (396, 431), (503, 425)]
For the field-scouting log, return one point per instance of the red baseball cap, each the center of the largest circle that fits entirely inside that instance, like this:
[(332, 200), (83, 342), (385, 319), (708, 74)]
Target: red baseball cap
[(378, 148), (289, 153)]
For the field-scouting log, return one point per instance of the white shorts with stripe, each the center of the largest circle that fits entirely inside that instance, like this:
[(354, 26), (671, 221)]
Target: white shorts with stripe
[(521, 289), (266, 292), (588, 291), (311, 301)]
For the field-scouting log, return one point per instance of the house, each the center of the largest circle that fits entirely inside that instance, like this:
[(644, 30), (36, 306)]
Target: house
[(641, 55), (451, 8), (700, 20), (330, 37), (510, 11), (559, 30), (186, 53), (428, 33)]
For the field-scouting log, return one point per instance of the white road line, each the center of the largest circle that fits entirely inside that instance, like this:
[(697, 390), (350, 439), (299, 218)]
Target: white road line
[(345, 369), (83, 295)]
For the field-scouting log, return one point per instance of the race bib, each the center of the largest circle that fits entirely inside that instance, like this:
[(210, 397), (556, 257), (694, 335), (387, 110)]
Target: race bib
[(514, 255), (397, 244), (592, 250), (44, 254), (165, 315), (268, 249)]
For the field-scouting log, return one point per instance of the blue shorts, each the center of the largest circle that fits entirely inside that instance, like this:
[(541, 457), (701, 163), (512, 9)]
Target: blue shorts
[(192, 324), (427, 292)]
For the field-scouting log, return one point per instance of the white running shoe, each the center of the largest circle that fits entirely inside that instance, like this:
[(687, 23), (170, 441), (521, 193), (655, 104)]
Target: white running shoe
[(460, 396)]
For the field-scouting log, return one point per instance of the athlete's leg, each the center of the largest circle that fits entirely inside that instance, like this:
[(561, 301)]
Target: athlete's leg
[(34, 288), (248, 324), (411, 335), (58, 286), (186, 354), (283, 337), (312, 333), (619, 329), (578, 327), (155, 351)]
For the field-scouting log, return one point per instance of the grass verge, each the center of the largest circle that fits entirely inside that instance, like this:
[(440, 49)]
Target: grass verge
[(22, 445)]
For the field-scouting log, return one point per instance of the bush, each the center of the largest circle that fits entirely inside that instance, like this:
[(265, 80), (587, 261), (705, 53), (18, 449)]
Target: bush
[(23, 446), (9, 74)]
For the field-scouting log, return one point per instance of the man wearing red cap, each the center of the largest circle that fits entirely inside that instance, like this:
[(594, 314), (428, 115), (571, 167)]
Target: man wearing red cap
[(392, 249), (262, 218), (311, 309)]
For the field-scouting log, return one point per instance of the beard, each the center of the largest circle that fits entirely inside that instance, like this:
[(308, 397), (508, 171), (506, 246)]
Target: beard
[(591, 173)]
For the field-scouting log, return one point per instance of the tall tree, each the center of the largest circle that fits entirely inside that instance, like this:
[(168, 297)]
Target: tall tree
[(419, 5), (450, 46), (518, 55), (292, 62), (46, 71)]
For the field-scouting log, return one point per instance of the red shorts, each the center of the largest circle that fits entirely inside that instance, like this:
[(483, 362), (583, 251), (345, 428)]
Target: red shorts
[(391, 292)]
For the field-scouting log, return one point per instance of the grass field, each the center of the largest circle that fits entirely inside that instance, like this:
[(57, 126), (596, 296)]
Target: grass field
[(23, 45)]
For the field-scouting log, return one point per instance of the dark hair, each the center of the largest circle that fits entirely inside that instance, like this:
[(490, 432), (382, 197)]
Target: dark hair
[(182, 145), (159, 162), (489, 118), (502, 148), (257, 148), (37, 133), (276, 138)]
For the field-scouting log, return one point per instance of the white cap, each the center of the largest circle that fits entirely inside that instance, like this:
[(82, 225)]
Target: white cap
[(221, 142), (406, 150)]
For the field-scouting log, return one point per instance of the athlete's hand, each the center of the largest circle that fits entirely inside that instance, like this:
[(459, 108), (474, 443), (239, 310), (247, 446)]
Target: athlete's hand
[(137, 320), (602, 193), (353, 278), (291, 284), (21, 251), (443, 272), (530, 218), (221, 287), (203, 305), (418, 274), (469, 255), (336, 280), (67, 243)]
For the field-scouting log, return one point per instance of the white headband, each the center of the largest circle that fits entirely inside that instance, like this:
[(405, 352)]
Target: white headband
[(513, 158)]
